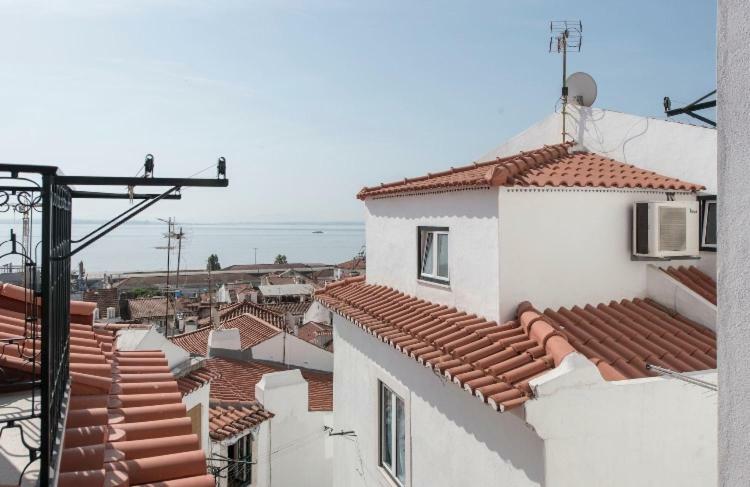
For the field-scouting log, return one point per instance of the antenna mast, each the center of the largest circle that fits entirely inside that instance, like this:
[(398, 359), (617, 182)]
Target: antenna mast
[(565, 36)]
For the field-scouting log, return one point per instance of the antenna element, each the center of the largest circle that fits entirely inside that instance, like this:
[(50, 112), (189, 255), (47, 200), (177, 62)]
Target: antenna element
[(565, 36)]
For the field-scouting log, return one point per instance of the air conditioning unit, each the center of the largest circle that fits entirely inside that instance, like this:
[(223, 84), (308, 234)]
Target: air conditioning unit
[(665, 229)]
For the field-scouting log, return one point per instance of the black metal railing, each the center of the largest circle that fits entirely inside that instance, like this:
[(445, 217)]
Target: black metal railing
[(43, 350), (55, 292)]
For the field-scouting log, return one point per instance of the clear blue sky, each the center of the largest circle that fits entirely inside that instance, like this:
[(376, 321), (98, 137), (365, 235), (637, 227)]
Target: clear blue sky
[(309, 101)]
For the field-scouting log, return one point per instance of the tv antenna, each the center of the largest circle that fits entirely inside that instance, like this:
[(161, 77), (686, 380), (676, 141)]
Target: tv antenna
[(565, 36)]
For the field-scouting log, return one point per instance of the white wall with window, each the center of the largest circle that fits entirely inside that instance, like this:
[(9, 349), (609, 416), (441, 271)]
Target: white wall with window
[(452, 259), (571, 246), (413, 429)]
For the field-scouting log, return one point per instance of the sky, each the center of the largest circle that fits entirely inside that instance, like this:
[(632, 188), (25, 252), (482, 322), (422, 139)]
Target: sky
[(311, 100)]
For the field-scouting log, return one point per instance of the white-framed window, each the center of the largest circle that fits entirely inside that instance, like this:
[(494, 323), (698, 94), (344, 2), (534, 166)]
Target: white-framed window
[(432, 255), (392, 434), (708, 222)]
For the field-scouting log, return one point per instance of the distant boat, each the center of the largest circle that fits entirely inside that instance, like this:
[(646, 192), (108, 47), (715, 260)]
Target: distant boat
[(317, 231)]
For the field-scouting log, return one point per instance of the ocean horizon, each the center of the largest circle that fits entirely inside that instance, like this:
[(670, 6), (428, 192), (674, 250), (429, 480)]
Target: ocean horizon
[(139, 246)]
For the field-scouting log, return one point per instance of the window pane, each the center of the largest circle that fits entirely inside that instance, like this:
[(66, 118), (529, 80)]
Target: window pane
[(400, 440), (427, 253), (710, 237), (387, 429), (442, 257)]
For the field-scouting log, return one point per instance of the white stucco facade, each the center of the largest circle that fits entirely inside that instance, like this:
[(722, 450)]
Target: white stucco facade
[(579, 430), (290, 350), (201, 398), (472, 216), (454, 439), (570, 246), (734, 220), (293, 447)]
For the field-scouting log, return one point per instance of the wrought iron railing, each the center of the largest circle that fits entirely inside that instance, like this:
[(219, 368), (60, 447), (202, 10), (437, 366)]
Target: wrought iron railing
[(43, 351)]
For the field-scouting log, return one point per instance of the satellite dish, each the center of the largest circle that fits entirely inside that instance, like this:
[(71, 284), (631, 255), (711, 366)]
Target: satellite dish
[(581, 89)]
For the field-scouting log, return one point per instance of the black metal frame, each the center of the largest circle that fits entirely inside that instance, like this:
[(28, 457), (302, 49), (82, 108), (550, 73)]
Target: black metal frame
[(702, 200), (53, 253), (691, 108)]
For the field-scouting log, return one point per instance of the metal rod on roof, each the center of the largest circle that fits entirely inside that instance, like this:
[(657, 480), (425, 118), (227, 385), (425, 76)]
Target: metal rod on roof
[(682, 377)]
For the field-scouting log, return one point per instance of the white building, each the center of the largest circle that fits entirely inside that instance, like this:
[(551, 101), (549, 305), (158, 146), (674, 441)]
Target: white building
[(453, 258)]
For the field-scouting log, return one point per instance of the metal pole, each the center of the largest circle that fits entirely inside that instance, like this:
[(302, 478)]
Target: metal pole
[(564, 83), (177, 278), (169, 245)]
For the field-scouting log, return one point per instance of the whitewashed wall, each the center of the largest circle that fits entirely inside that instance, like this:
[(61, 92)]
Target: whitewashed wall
[(391, 226), (316, 312), (670, 148), (293, 448), (734, 221), (651, 432), (564, 247), (298, 352), (201, 396), (453, 439)]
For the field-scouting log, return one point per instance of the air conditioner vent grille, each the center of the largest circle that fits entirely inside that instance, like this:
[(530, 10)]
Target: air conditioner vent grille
[(672, 229)]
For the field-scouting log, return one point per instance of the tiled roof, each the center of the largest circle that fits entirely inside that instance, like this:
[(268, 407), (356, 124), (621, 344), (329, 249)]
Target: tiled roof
[(238, 379), (236, 309), (252, 331), (547, 166), (148, 307), (126, 424), (316, 333), (227, 420), (357, 263), (631, 333), (495, 362), (298, 308), (195, 379), (104, 298), (696, 280)]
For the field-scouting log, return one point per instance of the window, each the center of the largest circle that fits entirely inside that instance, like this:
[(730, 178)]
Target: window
[(708, 222), (392, 434), (433, 254), (240, 462)]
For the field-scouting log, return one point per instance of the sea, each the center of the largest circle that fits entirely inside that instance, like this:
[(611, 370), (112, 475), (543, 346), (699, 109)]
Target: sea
[(142, 246)]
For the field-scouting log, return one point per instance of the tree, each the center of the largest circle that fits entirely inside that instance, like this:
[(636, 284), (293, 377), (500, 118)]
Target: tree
[(213, 263), (280, 259)]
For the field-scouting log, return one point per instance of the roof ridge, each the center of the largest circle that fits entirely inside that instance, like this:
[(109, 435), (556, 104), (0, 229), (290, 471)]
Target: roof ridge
[(460, 169), (252, 317)]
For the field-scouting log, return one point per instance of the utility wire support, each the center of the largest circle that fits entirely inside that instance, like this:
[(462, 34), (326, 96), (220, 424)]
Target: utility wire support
[(169, 251)]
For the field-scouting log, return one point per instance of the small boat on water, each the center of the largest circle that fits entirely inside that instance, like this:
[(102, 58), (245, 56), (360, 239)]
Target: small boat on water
[(317, 231)]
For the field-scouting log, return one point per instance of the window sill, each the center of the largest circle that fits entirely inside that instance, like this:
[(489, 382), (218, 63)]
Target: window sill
[(390, 481), (436, 284)]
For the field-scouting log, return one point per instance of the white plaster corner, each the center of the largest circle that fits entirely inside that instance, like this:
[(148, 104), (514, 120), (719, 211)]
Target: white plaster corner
[(575, 370)]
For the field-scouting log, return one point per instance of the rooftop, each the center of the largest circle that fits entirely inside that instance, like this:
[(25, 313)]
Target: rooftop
[(227, 420), (252, 332), (126, 423), (238, 378), (495, 362), (695, 280), (149, 307), (554, 165)]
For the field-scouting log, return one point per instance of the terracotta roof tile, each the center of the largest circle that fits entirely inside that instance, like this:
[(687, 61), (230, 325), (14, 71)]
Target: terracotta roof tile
[(627, 335), (696, 280), (495, 362), (547, 166), (227, 420), (195, 379), (104, 298), (231, 310), (252, 332), (126, 423), (238, 378), (148, 308)]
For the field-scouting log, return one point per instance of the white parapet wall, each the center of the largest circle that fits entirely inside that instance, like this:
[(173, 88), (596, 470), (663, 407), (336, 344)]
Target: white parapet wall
[(293, 447), (290, 350), (679, 298), (647, 432)]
